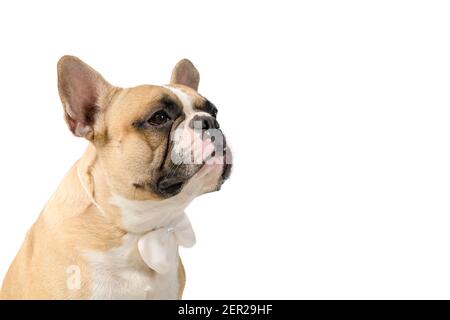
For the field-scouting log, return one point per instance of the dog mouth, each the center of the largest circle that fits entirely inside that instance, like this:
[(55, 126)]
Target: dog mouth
[(175, 176), (227, 167), (171, 182), (170, 186)]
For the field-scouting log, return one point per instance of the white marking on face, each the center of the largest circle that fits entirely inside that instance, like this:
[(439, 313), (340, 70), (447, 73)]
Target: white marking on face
[(189, 145), (185, 99)]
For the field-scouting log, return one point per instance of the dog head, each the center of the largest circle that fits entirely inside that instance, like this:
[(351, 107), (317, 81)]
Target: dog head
[(153, 142)]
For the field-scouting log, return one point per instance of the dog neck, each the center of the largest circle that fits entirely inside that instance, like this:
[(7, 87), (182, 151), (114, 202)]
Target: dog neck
[(161, 226), (134, 216)]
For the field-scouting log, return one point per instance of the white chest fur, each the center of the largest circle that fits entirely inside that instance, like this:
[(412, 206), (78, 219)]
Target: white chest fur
[(119, 273)]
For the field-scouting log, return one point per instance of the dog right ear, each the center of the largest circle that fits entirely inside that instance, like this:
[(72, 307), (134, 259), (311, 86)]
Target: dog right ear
[(185, 73), (81, 90)]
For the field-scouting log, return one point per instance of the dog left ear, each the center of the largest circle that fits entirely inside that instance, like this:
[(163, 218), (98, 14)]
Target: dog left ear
[(81, 90), (186, 74)]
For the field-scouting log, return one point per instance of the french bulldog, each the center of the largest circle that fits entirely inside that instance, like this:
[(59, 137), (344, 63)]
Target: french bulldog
[(113, 227)]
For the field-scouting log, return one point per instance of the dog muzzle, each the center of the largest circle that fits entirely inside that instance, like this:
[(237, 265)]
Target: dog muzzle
[(159, 248)]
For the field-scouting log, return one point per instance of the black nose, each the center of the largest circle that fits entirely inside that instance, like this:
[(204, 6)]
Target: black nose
[(204, 122)]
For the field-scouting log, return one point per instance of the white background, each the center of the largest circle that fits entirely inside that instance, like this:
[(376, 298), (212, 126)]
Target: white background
[(338, 112)]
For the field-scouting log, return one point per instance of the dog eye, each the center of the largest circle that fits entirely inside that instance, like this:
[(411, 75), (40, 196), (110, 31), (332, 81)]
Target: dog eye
[(159, 118)]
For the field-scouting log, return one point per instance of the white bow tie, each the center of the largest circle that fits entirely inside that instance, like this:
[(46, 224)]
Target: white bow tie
[(159, 248)]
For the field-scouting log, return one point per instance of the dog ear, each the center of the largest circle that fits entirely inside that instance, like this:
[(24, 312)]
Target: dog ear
[(81, 89), (185, 73)]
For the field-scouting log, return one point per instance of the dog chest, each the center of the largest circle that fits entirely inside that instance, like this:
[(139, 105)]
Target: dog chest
[(119, 273)]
